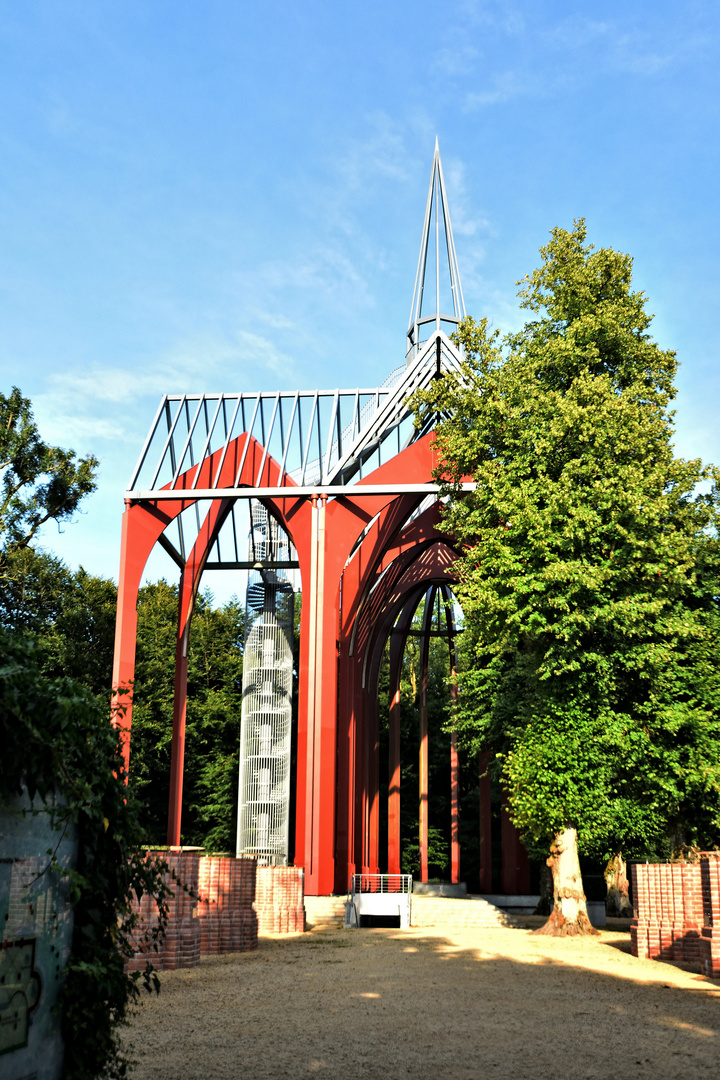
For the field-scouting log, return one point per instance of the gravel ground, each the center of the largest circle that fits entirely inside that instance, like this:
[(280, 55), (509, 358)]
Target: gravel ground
[(378, 1003)]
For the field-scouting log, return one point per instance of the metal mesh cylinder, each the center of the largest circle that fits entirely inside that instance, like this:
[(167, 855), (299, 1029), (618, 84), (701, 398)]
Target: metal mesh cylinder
[(266, 723)]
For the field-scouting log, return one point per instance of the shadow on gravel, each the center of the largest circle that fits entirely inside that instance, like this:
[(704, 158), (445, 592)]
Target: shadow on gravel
[(385, 1004)]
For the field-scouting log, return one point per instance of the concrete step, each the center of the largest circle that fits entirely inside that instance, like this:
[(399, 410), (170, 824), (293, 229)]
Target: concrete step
[(469, 912), (325, 909), (440, 911)]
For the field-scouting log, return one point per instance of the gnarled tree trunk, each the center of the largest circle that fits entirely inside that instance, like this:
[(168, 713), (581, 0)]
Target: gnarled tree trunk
[(545, 904), (569, 915), (617, 903)]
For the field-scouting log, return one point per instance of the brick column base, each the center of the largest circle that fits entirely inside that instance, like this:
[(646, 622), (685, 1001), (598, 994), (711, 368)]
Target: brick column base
[(280, 900), (181, 947), (226, 912)]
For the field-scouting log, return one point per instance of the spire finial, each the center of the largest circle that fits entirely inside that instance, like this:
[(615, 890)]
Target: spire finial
[(421, 326)]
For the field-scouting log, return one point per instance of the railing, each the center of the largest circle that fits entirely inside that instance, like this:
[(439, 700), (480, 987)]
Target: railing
[(379, 894), (381, 883)]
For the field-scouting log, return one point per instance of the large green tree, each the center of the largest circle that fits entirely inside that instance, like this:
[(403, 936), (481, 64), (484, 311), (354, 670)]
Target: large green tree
[(589, 577)]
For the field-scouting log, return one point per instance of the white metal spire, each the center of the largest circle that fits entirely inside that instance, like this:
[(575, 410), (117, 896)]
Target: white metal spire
[(422, 324)]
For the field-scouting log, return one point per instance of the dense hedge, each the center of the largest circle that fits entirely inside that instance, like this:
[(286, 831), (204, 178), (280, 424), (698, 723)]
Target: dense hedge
[(56, 737)]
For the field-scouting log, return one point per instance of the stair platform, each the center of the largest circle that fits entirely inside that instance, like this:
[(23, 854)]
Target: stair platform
[(471, 912)]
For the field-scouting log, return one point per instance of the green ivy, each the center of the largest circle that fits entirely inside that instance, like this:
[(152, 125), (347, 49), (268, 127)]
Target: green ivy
[(57, 738)]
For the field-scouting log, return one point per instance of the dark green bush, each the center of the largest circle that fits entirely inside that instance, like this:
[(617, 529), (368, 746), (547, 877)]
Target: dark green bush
[(55, 737)]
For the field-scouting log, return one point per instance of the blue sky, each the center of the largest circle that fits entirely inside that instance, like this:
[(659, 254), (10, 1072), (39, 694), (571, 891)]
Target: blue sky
[(229, 196)]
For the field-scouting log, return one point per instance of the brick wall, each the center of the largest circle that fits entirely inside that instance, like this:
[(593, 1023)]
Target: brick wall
[(181, 947), (226, 897), (677, 912), (279, 900), (232, 900)]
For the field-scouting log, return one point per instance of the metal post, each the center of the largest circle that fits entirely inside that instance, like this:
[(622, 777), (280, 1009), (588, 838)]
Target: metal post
[(394, 782), (424, 776), (398, 639), (187, 592), (486, 882), (454, 785), (177, 753), (454, 761), (314, 660)]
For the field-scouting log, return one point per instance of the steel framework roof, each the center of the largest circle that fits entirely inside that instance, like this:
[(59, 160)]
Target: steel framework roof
[(324, 441)]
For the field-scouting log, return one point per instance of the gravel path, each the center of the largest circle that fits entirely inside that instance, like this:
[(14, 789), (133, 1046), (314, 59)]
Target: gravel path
[(433, 1006)]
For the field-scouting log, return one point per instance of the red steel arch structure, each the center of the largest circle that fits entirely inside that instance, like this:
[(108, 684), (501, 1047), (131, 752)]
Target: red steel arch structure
[(349, 478)]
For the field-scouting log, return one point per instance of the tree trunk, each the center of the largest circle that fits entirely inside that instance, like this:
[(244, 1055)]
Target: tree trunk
[(617, 903), (545, 904), (569, 916)]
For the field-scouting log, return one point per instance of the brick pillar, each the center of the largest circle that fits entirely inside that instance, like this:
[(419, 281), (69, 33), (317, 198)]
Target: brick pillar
[(280, 900), (710, 939), (226, 904), (181, 947)]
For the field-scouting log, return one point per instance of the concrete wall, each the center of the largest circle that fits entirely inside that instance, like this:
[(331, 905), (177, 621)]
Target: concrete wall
[(36, 925)]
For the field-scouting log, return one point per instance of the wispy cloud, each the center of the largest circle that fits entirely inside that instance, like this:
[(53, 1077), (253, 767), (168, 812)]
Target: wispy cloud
[(505, 87), (263, 353), (576, 32), (633, 56), (456, 61), (100, 405), (325, 273), (272, 319), (493, 14), (618, 45), (378, 155), (466, 220)]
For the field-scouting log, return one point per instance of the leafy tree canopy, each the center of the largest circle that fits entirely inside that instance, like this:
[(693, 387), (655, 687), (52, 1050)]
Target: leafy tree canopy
[(39, 482), (70, 614), (589, 579)]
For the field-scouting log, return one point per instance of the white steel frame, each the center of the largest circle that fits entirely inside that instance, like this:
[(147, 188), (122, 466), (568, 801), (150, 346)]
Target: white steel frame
[(266, 719)]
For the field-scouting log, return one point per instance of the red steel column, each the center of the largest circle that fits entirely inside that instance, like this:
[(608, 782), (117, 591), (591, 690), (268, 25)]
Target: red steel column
[(394, 780), (372, 788), (398, 640), (347, 725), (177, 753), (423, 768), (454, 761), (314, 681), (141, 526), (454, 818), (515, 862), (508, 875), (187, 592), (486, 883)]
